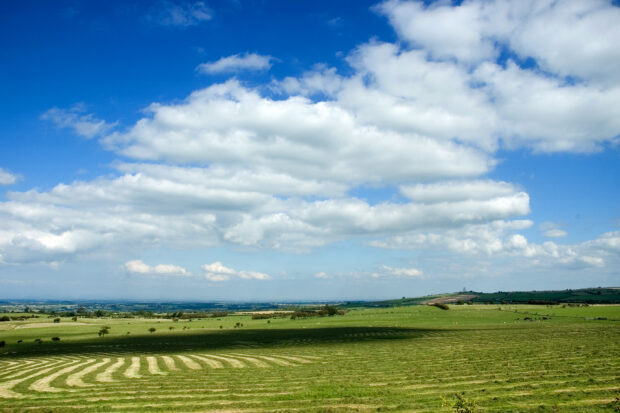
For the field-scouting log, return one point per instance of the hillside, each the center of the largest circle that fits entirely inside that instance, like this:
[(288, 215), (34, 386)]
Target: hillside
[(581, 296)]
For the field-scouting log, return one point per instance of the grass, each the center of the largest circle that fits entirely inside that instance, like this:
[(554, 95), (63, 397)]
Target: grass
[(389, 359)]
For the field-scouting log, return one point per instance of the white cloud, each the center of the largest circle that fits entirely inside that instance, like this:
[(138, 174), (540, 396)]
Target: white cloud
[(458, 191), (237, 63), (552, 230), (386, 271), (139, 267), (180, 14), (425, 115), (322, 274), (228, 124), (217, 272), (544, 109), (499, 240), (550, 114), (546, 30), (320, 80), (443, 30), (7, 178), (85, 125)]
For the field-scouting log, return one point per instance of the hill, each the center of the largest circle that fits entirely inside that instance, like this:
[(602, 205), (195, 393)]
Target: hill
[(580, 296)]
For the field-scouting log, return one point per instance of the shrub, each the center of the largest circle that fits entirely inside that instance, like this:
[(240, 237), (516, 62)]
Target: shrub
[(217, 314), (38, 340), (5, 318), (171, 328), (55, 338), (74, 318), (2, 343), (57, 320), (441, 305), (103, 331), (461, 404), (152, 330)]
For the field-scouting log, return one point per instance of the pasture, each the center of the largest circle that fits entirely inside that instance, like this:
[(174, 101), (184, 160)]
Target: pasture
[(513, 358)]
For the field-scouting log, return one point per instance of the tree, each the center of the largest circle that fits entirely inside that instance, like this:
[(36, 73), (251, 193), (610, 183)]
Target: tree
[(103, 331), (152, 330), (331, 310)]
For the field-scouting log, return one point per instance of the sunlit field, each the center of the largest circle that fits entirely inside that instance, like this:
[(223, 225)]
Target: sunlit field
[(499, 358)]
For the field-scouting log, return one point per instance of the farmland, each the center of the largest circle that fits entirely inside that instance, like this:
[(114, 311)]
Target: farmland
[(416, 358)]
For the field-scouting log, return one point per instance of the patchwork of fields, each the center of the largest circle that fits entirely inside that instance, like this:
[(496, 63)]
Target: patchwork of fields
[(398, 359)]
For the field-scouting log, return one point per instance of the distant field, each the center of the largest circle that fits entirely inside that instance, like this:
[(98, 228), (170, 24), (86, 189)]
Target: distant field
[(506, 358)]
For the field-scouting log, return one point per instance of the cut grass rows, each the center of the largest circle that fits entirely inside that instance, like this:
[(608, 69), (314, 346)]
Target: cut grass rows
[(533, 367), (103, 371)]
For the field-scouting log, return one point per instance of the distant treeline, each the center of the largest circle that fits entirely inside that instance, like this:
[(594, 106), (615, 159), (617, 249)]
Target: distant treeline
[(327, 310), (585, 295)]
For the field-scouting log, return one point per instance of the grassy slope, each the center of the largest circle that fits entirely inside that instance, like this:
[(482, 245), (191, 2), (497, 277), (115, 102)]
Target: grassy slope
[(585, 295), (394, 359)]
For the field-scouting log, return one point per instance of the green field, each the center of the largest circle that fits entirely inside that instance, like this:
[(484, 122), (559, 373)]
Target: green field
[(508, 358)]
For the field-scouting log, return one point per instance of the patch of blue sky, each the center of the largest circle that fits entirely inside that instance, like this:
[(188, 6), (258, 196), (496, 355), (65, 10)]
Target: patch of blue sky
[(576, 191)]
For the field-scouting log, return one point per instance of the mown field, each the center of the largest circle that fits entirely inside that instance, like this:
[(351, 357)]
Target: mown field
[(515, 359)]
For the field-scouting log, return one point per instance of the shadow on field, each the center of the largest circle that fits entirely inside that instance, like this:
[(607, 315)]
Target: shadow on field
[(219, 340)]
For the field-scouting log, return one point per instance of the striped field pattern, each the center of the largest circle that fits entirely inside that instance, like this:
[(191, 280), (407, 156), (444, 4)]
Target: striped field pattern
[(559, 366)]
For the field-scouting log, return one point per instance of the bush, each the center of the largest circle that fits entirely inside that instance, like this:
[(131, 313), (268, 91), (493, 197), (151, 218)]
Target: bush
[(461, 404), (38, 340), (103, 331), (5, 318), (441, 305), (55, 338), (2, 343), (57, 320), (152, 330)]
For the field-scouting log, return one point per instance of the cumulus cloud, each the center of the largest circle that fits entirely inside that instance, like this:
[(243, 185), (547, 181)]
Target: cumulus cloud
[(180, 14), (7, 178), (546, 30), (217, 272), (83, 124), (139, 267), (543, 106), (552, 230), (457, 191), (500, 239), (237, 63), (230, 164), (320, 80), (230, 124), (390, 272)]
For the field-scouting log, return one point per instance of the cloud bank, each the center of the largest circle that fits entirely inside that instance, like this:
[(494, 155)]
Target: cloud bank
[(236, 165)]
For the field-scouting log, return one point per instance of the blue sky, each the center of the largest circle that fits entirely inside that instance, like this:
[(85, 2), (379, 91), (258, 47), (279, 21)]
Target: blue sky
[(273, 150)]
